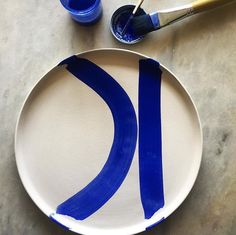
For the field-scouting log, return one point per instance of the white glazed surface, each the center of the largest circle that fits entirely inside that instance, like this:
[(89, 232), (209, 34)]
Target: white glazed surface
[(64, 136), (200, 50)]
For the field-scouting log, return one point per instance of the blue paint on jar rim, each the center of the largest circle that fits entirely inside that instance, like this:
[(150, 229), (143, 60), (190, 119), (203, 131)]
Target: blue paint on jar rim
[(118, 21), (86, 15)]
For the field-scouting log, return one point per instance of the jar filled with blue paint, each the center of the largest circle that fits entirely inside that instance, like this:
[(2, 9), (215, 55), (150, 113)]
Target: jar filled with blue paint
[(84, 11)]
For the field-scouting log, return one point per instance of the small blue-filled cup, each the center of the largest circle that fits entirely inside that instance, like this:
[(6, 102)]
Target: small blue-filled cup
[(84, 11)]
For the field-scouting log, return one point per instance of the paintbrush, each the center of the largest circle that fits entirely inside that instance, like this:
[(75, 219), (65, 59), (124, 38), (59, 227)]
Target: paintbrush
[(138, 5), (150, 22)]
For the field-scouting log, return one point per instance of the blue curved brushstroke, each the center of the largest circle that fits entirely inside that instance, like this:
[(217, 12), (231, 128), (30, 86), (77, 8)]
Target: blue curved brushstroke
[(102, 188), (150, 140)]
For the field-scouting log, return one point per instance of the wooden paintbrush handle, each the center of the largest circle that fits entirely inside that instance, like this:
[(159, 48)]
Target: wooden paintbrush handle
[(138, 5), (203, 5)]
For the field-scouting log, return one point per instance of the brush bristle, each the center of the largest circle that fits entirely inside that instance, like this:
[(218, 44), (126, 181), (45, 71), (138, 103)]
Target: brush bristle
[(142, 24)]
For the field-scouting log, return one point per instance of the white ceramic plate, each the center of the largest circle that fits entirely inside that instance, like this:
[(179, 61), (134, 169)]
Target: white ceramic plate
[(64, 136)]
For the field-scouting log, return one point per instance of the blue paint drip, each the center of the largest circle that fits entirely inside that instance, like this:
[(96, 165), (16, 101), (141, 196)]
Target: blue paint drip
[(155, 20), (102, 188), (58, 223), (150, 141), (155, 224)]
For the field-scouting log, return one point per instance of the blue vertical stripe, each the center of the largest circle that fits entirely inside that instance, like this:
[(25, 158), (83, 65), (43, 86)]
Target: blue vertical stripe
[(102, 188), (150, 139)]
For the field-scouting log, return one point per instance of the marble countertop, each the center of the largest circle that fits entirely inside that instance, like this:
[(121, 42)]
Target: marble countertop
[(201, 51)]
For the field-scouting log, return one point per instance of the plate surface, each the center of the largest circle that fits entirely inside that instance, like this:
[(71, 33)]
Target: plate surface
[(64, 136)]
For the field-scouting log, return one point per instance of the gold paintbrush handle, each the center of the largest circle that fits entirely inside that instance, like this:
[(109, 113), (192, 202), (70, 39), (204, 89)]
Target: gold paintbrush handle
[(203, 5), (170, 16)]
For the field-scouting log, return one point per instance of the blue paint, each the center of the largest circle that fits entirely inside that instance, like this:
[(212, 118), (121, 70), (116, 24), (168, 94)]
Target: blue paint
[(150, 140), (58, 223), (84, 11), (102, 188), (80, 5), (119, 20), (155, 20), (155, 224)]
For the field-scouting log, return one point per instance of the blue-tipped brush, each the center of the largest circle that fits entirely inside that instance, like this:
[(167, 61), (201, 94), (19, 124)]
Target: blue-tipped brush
[(150, 22), (138, 5), (145, 23)]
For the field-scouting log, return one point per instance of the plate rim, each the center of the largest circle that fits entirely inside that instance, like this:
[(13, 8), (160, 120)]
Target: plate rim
[(183, 198)]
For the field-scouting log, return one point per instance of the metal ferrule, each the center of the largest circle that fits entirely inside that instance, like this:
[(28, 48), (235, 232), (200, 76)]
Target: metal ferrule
[(155, 20)]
